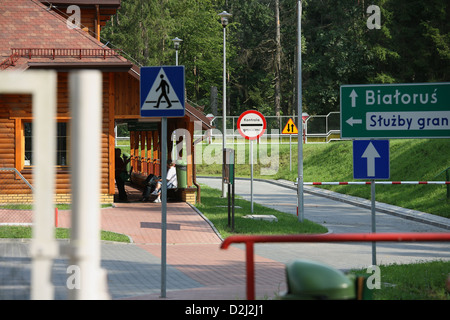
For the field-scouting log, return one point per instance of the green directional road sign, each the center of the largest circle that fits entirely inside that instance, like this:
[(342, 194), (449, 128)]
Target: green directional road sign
[(419, 110)]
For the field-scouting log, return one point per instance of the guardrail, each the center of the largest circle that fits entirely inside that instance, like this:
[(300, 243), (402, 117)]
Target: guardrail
[(344, 237)]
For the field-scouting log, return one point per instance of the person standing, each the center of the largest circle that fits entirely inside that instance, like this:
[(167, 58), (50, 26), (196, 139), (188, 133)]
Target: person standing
[(120, 170)]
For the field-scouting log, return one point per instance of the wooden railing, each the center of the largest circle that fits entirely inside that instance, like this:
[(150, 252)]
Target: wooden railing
[(53, 53)]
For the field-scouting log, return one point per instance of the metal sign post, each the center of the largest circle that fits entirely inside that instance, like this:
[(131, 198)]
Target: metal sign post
[(251, 174), (162, 94), (251, 125), (228, 178), (163, 206), (374, 228), (290, 129), (371, 161)]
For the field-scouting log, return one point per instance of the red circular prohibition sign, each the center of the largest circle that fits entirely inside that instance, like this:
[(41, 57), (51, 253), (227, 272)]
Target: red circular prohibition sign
[(251, 125)]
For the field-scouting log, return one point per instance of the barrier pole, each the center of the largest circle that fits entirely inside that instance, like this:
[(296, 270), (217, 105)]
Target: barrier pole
[(344, 237), (250, 266)]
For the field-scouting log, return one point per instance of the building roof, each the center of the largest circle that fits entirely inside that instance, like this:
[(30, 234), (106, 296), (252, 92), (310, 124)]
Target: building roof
[(32, 36), (110, 3), (29, 24)]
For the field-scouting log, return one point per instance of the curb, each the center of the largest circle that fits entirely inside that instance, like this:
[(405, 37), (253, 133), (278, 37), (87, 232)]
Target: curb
[(409, 214), (207, 220)]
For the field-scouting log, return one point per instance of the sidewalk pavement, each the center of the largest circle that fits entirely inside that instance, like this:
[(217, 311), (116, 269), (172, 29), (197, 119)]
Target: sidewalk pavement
[(197, 269)]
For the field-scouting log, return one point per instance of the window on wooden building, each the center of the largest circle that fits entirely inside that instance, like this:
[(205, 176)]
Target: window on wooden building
[(62, 144)]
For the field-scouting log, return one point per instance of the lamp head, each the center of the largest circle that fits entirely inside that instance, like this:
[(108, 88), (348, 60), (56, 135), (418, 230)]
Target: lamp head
[(176, 42), (224, 18)]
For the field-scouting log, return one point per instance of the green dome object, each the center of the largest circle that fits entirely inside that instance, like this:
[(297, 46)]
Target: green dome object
[(313, 280)]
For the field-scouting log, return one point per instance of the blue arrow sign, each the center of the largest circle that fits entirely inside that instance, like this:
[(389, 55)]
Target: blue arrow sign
[(371, 159), (162, 91)]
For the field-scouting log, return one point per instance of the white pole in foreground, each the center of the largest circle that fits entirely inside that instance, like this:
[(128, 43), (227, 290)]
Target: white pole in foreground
[(44, 248), (42, 87), (86, 111)]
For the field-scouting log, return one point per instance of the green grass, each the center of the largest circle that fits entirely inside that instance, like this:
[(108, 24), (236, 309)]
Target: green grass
[(410, 160), (25, 232), (417, 281), (215, 208)]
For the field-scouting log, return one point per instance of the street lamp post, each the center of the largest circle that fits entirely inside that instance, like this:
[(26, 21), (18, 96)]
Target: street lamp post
[(176, 43), (300, 190), (224, 20)]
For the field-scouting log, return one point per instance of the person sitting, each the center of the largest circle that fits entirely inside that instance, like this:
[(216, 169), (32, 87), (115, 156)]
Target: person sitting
[(150, 185), (171, 181)]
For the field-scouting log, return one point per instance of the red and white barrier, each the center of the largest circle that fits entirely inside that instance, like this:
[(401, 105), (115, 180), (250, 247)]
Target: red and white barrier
[(376, 182)]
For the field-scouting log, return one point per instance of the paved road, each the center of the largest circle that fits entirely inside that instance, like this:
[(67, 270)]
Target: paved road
[(342, 217), (198, 269)]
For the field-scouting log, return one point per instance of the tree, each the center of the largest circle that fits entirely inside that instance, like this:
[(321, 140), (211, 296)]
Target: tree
[(418, 40), (336, 52), (253, 36), (144, 29), (338, 47), (277, 59)]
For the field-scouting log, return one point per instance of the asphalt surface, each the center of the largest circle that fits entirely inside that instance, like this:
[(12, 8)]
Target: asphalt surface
[(342, 214), (199, 270)]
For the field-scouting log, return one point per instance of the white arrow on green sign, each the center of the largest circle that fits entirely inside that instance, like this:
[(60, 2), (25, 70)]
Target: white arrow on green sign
[(419, 110)]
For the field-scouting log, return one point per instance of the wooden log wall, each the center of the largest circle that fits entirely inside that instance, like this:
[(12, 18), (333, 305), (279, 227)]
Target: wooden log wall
[(17, 109), (126, 96)]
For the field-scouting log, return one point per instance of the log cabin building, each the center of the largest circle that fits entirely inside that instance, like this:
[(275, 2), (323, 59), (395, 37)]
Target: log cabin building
[(36, 35)]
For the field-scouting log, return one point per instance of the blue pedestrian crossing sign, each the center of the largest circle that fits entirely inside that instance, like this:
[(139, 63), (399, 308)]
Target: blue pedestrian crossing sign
[(371, 159), (162, 91)]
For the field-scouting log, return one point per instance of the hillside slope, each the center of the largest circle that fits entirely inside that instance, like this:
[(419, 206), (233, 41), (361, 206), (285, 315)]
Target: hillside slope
[(410, 160)]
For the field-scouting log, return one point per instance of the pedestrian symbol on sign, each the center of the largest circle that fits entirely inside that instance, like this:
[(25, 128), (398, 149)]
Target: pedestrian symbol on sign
[(163, 86), (162, 91)]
